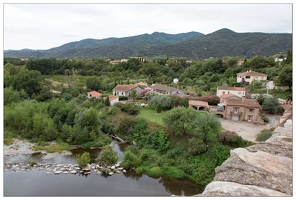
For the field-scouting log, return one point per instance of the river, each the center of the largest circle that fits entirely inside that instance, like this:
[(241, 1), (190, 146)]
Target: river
[(39, 183)]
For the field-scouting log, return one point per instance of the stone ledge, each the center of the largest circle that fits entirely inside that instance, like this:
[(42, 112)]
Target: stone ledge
[(222, 188)]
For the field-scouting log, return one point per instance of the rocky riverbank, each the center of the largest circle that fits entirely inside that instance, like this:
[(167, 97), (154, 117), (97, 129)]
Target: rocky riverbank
[(23, 147), (53, 168)]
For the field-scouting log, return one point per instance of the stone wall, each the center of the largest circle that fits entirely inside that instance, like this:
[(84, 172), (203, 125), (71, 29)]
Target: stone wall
[(264, 169)]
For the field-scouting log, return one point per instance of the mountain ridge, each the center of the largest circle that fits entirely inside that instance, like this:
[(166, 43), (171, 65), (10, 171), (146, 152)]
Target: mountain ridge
[(223, 42)]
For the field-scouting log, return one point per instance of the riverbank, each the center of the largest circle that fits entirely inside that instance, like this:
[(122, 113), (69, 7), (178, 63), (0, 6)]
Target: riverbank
[(23, 147)]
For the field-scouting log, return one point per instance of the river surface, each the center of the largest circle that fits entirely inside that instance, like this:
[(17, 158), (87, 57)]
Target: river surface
[(39, 183)]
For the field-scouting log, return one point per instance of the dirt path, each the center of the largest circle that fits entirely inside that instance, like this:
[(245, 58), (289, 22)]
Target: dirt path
[(249, 131)]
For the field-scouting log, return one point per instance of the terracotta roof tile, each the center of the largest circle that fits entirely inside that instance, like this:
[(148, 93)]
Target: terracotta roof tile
[(112, 97), (162, 87), (251, 73), (95, 93), (124, 88), (240, 102), (198, 103), (231, 88)]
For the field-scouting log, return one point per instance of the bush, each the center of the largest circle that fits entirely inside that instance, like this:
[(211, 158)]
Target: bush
[(230, 138), (130, 160), (263, 135), (265, 119), (84, 159), (158, 108), (107, 156), (130, 108), (32, 162), (123, 98), (196, 146)]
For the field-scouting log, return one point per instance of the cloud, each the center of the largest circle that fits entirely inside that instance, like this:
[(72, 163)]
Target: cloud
[(43, 26)]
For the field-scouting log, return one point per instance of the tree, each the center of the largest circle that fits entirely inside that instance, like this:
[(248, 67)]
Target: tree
[(133, 95), (107, 101), (285, 77), (272, 105), (163, 100), (206, 123), (84, 159), (180, 119), (107, 156)]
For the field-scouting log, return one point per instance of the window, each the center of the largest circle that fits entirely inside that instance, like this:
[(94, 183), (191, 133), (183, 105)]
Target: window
[(247, 76), (239, 93), (235, 110), (252, 109)]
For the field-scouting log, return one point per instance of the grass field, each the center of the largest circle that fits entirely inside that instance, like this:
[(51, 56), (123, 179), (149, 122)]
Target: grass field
[(149, 113)]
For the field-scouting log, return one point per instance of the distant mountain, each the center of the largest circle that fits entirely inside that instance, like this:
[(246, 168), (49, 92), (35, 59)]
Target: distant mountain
[(221, 43)]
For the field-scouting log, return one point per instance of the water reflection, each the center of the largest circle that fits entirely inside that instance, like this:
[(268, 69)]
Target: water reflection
[(123, 184)]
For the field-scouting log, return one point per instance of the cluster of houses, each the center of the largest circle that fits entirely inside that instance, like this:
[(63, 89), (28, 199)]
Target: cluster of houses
[(233, 103)]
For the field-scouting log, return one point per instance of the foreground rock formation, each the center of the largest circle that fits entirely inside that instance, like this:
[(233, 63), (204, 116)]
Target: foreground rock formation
[(264, 169)]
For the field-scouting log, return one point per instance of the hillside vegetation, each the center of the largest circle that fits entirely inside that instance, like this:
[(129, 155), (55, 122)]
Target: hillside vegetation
[(196, 45)]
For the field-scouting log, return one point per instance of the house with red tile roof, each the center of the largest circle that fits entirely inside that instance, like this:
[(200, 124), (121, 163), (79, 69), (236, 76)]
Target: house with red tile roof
[(126, 90), (113, 99), (238, 91), (94, 94), (250, 76), (198, 105), (239, 109), (164, 89)]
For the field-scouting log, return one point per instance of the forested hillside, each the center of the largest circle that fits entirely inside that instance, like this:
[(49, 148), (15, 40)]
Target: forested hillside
[(196, 45)]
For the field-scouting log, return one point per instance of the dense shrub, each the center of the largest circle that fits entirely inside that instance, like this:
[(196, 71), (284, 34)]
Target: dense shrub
[(126, 125), (84, 159), (123, 98), (264, 135), (230, 138), (196, 146), (265, 119), (107, 156), (130, 160), (130, 108)]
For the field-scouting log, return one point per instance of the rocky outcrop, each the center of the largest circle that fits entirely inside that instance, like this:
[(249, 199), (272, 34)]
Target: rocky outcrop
[(264, 169)]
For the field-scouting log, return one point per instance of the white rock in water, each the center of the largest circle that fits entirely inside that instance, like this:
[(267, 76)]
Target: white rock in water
[(48, 172), (65, 172), (117, 165), (124, 170), (120, 168), (110, 173), (73, 172), (98, 172), (58, 172), (113, 167)]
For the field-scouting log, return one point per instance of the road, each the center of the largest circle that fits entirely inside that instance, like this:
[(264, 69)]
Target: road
[(249, 131)]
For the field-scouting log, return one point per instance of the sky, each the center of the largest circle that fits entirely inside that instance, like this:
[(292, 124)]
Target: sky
[(44, 26)]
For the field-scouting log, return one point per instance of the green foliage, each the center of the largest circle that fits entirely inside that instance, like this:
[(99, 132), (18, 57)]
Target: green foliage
[(263, 135), (107, 101), (126, 125), (265, 119), (230, 138), (130, 160), (271, 105), (163, 100), (32, 162), (159, 140), (107, 156), (178, 101), (180, 119), (130, 108), (206, 124), (158, 108), (285, 76), (83, 159), (196, 146)]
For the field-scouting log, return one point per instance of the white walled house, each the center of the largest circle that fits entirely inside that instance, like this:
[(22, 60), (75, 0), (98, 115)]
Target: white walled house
[(94, 94), (113, 99), (250, 76), (238, 91), (164, 89), (126, 90)]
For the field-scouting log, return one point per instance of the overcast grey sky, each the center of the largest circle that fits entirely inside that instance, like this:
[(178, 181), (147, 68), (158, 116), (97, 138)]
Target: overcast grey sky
[(44, 26)]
